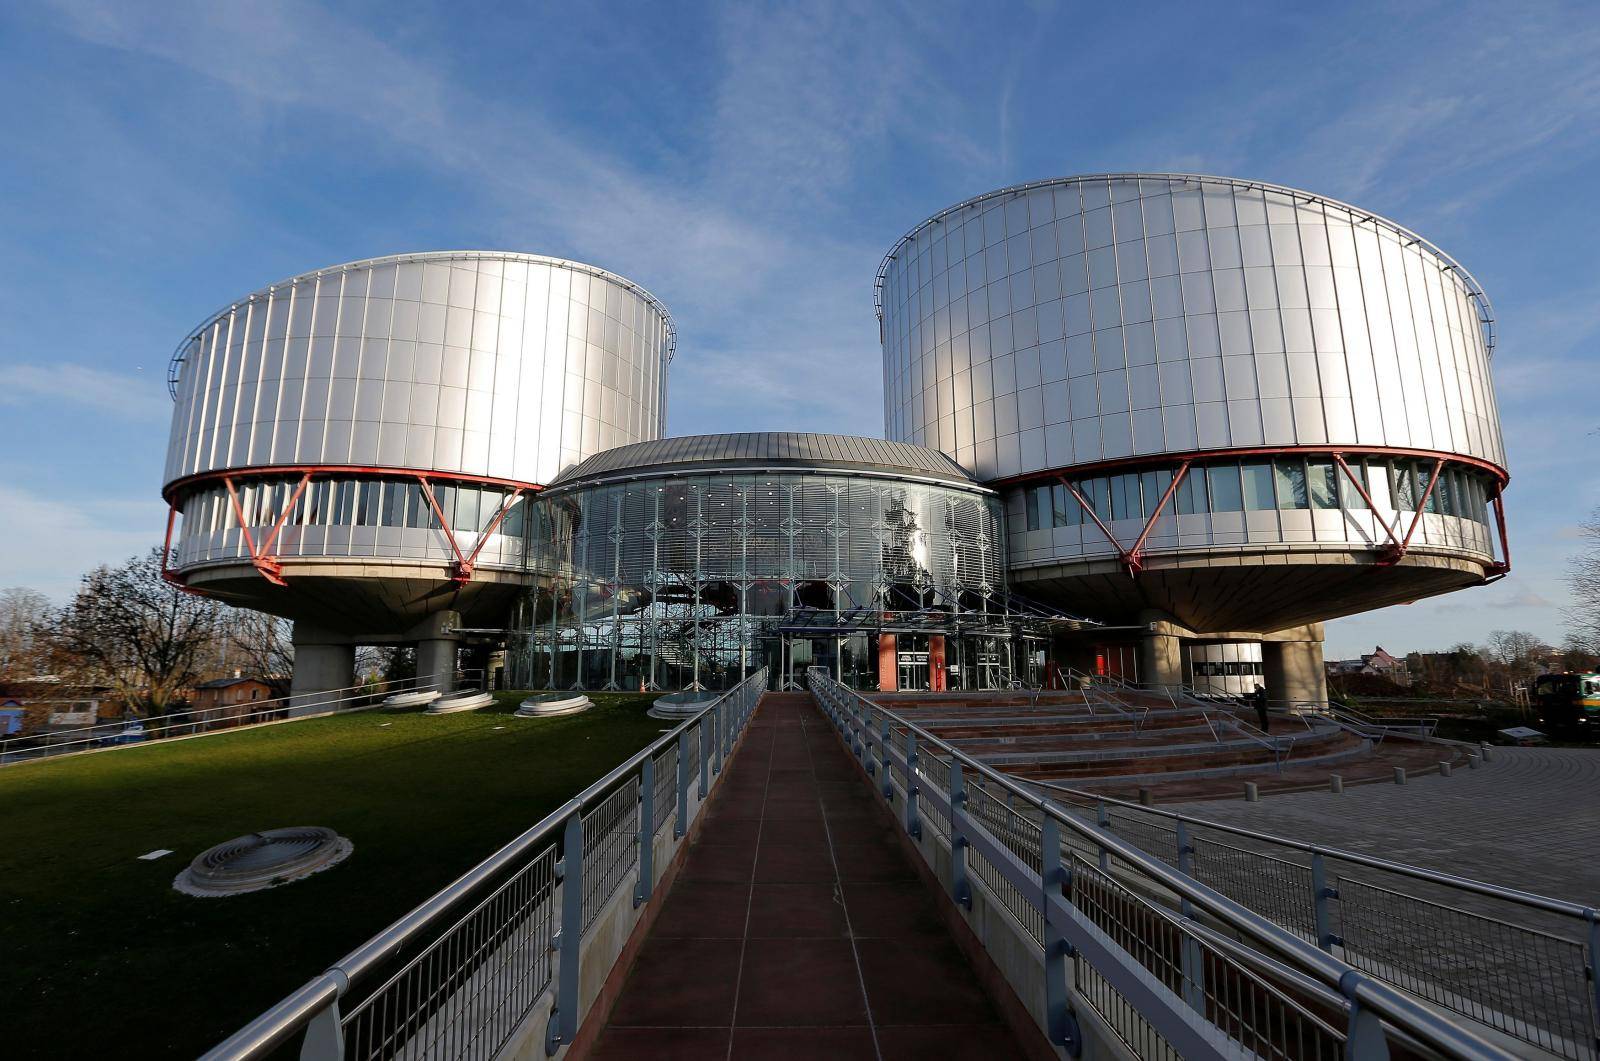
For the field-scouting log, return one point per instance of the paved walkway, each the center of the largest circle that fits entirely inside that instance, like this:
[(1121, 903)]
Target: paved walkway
[(1529, 820), (797, 928)]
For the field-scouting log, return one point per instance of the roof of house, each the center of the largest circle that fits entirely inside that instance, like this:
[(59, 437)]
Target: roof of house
[(223, 683)]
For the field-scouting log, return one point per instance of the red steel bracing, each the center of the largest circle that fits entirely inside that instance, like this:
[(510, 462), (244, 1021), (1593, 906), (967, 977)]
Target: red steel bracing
[(463, 571), (1366, 497), (270, 569), (1112, 538), (1106, 467), (177, 486), (444, 524), (167, 574), (1389, 555), (272, 539), (263, 559), (1422, 505), (1501, 567), (1136, 554), (1132, 559)]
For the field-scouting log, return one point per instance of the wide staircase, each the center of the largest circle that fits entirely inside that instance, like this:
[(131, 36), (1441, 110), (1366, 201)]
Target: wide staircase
[(1117, 735)]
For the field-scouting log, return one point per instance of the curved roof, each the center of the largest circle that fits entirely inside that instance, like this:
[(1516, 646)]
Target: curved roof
[(175, 366), (766, 449), (1485, 310)]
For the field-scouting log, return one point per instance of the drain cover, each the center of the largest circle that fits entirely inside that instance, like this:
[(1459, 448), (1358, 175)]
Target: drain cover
[(263, 860)]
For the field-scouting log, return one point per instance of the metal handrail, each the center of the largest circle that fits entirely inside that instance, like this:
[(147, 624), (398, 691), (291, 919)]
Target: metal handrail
[(1532, 900), (213, 720), (1362, 990), (297, 1011)]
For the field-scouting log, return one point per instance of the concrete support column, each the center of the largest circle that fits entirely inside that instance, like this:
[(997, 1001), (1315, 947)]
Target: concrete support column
[(1294, 671), (437, 645), (436, 663), (1160, 654), (321, 665)]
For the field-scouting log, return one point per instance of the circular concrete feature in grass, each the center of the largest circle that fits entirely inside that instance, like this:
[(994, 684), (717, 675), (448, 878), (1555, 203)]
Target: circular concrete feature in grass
[(552, 705), (263, 860), (460, 700), (679, 706), (413, 698)]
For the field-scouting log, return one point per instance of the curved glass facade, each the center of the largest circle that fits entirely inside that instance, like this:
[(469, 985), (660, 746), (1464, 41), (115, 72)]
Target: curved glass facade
[(1271, 500), (674, 581), (343, 516)]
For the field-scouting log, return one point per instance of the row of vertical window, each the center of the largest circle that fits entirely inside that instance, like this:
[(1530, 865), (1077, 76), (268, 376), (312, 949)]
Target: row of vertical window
[(352, 503), (1262, 485)]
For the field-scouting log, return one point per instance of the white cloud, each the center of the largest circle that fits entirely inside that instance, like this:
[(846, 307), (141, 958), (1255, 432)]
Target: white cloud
[(51, 542), (134, 397)]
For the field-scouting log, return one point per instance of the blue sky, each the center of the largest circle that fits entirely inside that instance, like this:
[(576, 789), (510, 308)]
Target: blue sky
[(750, 165)]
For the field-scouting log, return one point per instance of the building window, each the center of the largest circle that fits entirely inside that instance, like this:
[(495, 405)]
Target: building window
[(1192, 494), (1223, 481), (1290, 477), (1324, 484), (1257, 478)]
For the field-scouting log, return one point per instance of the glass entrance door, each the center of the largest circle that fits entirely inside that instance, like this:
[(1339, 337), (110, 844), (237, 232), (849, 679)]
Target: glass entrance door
[(913, 669)]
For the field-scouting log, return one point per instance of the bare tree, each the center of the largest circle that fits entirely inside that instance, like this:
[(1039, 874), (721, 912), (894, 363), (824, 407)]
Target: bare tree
[(24, 647), (132, 630), (259, 644), (1584, 616)]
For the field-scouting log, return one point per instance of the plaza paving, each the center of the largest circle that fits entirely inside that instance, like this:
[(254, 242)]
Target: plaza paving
[(1530, 820)]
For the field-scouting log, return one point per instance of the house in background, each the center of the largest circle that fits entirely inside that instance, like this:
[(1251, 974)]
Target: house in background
[(1377, 662), (222, 701)]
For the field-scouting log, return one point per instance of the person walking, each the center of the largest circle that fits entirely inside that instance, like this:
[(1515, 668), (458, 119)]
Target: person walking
[(1260, 698)]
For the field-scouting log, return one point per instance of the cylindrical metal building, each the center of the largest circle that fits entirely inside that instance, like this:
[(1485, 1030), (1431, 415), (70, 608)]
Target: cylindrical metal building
[(353, 448), (1213, 405)]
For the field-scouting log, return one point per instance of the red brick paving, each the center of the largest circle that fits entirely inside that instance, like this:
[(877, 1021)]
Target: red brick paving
[(797, 929)]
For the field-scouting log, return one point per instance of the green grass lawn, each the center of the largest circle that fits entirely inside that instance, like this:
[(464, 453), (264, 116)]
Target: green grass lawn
[(100, 957)]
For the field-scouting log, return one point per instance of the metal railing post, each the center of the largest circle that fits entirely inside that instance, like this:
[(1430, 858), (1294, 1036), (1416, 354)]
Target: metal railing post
[(913, 790), (960, 885), (1103, 819), (1592, 915), (324, 1038), (883, 762), (1364, 1036), (717, 716), (1191, 957), (1321, 914), (564, 1017), (681, 829), (705, 759), (1052, 876), (647, 831)]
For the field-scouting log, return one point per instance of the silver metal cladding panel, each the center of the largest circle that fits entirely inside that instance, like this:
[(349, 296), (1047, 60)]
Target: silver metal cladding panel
[(775, 448), (499, 365), (1088, 319)]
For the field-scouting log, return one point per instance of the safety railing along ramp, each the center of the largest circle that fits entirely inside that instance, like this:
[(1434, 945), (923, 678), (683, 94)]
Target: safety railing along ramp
[(1156, 936), (508, 960)]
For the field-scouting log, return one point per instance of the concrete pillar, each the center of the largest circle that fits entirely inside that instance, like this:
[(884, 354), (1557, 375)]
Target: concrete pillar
[(1160, 654), (436, 651), (436, 663), (322, 664), (1161, 661), (1294, 671)]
